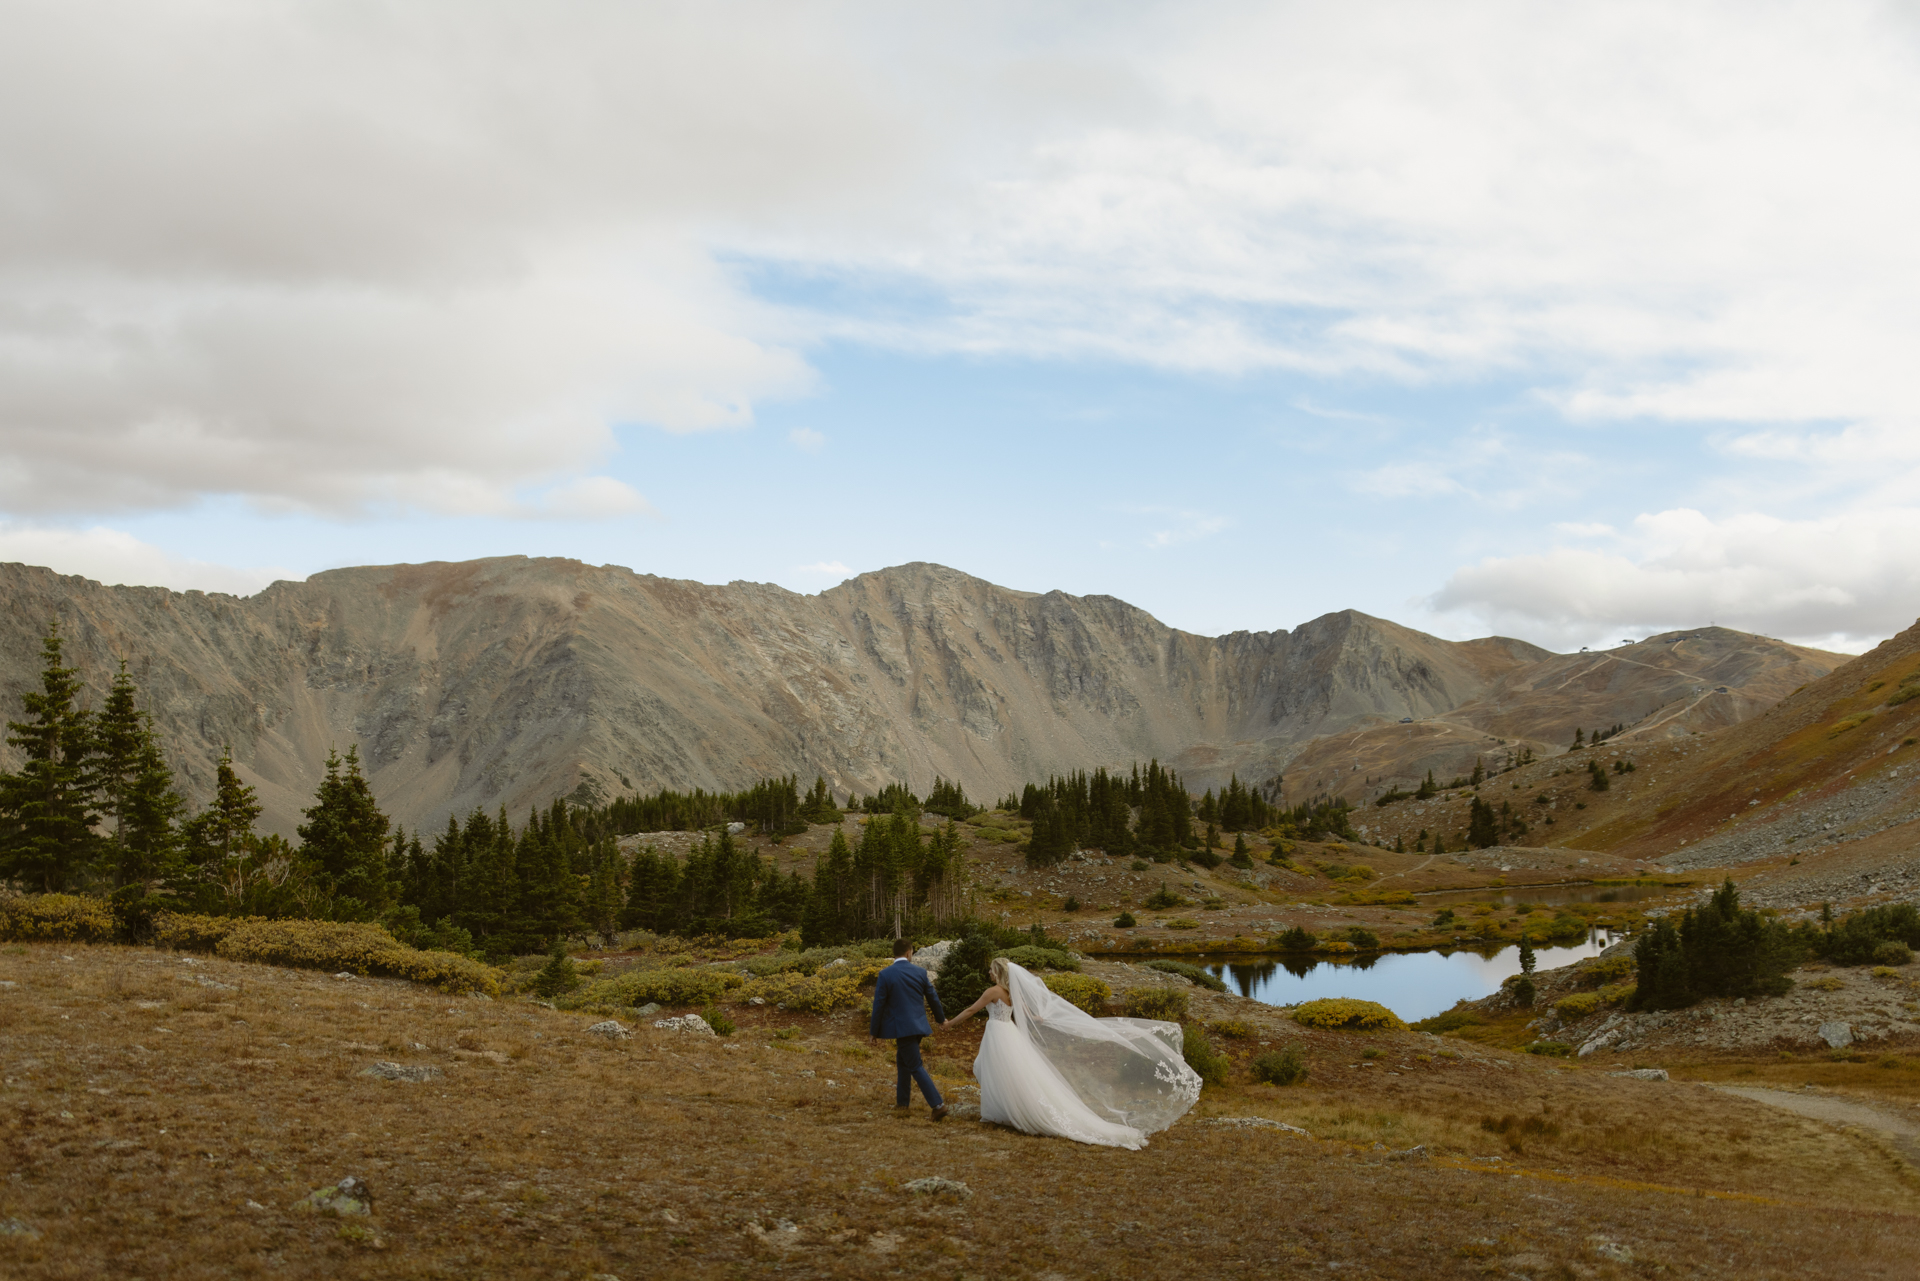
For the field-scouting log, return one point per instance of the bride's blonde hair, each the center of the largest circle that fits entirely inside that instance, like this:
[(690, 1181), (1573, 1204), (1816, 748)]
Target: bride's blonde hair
[(997, 967)]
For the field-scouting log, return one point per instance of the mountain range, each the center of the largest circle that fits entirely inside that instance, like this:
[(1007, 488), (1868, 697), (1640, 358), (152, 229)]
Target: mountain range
[(513, 680)]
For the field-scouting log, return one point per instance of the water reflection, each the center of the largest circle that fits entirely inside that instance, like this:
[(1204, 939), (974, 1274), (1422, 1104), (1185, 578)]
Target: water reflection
[(1414, 985), (1552, 894)]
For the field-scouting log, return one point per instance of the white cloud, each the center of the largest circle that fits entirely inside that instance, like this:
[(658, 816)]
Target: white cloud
[(829, 567), (1188, 527), (591, 498), (808, 439), (1843, 582), (344, 258), (113, 557)]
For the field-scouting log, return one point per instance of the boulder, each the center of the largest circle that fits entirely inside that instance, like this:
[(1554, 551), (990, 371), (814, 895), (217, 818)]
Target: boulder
[(1837, 1035), (931, 957), (611, 1029), (686, 1023), (402, 1072), (647, 1011), (349, 1196), (1643, 1074)]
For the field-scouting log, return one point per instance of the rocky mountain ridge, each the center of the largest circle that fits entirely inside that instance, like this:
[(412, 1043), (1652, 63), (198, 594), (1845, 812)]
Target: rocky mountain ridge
[(513, 680)]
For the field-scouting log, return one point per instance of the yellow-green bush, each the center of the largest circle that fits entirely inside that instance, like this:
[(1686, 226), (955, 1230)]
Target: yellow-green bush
[(1335, 946), (55, 918), (1614, 993), (834, 988), (1083, 990), (1183, 923), (1577, 1006), (1605, 971), (677, 987), (1164, 1003), (1239, 1029), (324, 945), (1347, 1014)]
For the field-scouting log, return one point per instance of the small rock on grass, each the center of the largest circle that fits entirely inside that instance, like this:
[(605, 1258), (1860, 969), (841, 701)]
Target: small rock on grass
[(1837, 1035), (349, 1196), (933, 1185), (1612, 1251), (1258, 1123), (1643, 1074), (686, 1023), (16, 1228), (648, 1010), (611, 1029), (401, 1072)]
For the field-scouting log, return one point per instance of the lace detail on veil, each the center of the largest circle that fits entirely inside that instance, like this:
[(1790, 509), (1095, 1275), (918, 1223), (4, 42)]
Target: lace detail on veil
[(1128, 1071)]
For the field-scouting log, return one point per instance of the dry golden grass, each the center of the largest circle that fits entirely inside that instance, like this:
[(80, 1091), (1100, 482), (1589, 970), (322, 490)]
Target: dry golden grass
[(147, 1102)]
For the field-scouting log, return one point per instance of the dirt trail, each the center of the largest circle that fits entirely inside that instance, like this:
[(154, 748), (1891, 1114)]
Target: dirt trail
[(1901, 1131)]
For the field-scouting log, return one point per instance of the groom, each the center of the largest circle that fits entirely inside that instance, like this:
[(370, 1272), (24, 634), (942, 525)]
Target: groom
[(900, 997)]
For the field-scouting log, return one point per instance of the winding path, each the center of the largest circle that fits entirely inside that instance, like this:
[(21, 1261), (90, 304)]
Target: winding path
[(1901, 1131)]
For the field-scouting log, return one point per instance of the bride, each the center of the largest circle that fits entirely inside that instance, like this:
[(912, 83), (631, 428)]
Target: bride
[(1048, 1067)]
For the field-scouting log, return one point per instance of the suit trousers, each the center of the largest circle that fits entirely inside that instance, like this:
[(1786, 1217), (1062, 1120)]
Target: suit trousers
[(909, 1068)]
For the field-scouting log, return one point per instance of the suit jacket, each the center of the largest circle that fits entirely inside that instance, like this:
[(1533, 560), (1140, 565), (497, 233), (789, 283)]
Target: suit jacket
[(900, 998)]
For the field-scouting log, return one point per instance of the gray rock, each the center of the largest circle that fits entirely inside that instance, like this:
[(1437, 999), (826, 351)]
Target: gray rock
[(964, 1111), (1612, 1251), (15, 1228), (734, 829), (1418, 1153), (935, 1185), (1643, 1074), (350, 1196), (1837, 1035), (611, 1029), (931, 957), (402, 1072), (686, 1023), (648, 1010), (1259, 1123)]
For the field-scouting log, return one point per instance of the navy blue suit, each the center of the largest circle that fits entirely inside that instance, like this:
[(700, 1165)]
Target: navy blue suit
[(900, 998)]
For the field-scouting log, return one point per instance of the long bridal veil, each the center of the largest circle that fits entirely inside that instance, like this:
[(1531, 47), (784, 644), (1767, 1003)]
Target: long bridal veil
[(1130, 1071)]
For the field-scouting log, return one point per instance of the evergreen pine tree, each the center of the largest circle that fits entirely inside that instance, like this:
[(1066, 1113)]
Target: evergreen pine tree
[(1480, 825), (345, 838), (1242, 856), (558, 976), (149, 835), (224, 830), (600, 906), (1526, 954), (46, 810)]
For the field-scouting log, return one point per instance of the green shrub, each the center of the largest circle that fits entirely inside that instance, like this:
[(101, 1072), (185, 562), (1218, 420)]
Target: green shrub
[(1449, 1020), (1239, 1029), (324, 945), (56, 918), (1071, 905), (1347, 1014), (1608, 969), (1362, 940), (1576, 1007), (1124, 921), (558, 976), (1521, 988), (1192, 973), (964, 975), (1182, 923), (1166, 1004), (1297, 939), (682, 988), (1280, 1067), (1029, 957), (1162, 899), (1855, 939), (1892, 952), (1083, 990), (717, 1020), (1553, 1049), (836, 987), (1212, 1065)]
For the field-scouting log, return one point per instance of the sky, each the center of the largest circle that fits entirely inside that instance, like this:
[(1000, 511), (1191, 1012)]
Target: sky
[(1572, 323)]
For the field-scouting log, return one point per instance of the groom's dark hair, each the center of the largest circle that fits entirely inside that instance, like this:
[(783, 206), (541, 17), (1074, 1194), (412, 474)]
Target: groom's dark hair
[(902, 948)]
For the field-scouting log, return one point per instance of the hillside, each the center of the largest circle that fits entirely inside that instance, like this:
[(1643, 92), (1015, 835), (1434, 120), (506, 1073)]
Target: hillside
[(513, 680)]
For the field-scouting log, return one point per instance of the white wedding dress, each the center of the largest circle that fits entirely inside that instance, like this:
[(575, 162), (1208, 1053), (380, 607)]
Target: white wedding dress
[(1048, 1067)]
